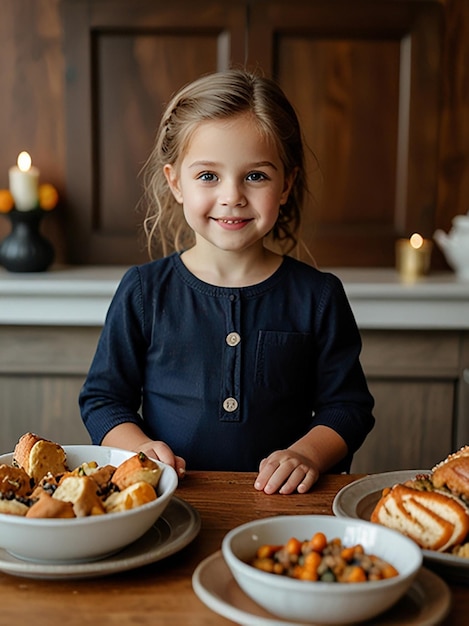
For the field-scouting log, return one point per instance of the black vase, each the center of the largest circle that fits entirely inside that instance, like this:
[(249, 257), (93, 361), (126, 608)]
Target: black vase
[(25, 249)]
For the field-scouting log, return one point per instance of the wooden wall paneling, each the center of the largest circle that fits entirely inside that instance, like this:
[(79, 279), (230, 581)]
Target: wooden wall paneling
[(124, 61), (365, 79), (453, 174), (32, 116)]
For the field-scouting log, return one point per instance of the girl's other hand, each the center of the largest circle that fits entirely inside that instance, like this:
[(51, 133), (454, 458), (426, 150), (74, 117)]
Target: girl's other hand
[(286, 471), (161, 451)]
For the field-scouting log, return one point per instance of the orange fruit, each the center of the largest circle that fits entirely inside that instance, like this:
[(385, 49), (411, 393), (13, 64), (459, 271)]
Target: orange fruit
[(48, 196), (6, 201)]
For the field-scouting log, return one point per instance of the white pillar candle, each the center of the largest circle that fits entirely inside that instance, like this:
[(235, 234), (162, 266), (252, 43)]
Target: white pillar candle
[(24, 183)]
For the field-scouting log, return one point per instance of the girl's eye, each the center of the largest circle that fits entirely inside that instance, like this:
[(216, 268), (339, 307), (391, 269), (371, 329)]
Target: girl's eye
[(207, 177), (256, 176)]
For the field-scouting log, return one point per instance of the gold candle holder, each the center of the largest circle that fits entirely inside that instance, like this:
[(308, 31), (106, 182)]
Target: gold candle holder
[(413, 257)]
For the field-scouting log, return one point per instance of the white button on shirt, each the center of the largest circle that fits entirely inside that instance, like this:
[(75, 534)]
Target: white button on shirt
[(232, 339), (230, 405)]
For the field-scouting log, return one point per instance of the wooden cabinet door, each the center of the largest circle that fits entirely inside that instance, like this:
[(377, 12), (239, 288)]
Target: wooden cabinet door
[(414, 425), (124, 60), (42, 370), (365, 80), (413, 376)]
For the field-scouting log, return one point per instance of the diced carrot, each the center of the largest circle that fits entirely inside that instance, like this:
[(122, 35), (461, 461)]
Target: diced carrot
[(354, 574), (312, 561), (347, 554), (388, 571), (318, 542), (267, 551), (293, 546)]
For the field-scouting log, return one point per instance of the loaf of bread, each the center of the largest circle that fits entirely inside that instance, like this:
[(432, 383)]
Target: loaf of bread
[(38, 456), (131, 497), (434, 520), (81, 491), (136, 469)]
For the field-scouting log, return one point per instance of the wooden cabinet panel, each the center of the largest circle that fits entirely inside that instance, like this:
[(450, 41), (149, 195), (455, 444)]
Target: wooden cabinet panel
[(409, 353), (41, 372), (462, 423), (46, 405), (123, 62), (365, 79), (414, 377), (414, 425), (46, 350)]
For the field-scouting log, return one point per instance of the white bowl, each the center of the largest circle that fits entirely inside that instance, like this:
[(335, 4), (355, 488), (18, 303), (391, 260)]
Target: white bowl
[(321, 602), (84, 538)]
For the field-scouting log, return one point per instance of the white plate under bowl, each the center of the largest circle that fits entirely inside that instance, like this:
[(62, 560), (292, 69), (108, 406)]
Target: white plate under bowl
[(178, 525), (426, 603), (358, 499)]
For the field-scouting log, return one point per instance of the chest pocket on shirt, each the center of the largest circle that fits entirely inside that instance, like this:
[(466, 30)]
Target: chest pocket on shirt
[(284, 360)]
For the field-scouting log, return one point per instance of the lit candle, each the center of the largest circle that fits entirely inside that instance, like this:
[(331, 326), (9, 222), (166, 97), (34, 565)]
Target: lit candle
[(24, 183), (413, 257)]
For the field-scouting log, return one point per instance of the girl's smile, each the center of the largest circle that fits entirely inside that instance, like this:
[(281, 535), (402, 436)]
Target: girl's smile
[(231, 223)]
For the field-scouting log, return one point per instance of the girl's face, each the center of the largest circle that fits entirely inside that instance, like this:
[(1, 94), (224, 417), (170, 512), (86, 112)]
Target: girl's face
[(230, 182)]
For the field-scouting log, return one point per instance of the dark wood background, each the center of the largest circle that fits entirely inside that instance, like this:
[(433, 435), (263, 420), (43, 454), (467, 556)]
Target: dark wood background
[(82, 90)]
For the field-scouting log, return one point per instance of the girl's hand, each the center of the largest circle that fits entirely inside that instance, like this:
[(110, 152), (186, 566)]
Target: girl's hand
[(161, 451), (286, 471)]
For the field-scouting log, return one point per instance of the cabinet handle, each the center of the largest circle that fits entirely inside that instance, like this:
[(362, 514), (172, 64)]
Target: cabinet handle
[(465, 375)]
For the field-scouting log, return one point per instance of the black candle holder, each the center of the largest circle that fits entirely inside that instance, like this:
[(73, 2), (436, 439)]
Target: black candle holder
[(25, 249)]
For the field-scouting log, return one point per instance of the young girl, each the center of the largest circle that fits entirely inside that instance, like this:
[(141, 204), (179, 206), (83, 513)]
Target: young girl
[(226, 355)]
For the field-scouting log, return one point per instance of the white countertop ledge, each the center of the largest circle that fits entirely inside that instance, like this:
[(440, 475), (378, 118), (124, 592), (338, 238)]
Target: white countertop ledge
[(80, 296)]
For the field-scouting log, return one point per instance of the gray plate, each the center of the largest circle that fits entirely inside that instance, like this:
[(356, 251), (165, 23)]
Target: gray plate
[(426, 603), (358, 500), (176, 528)]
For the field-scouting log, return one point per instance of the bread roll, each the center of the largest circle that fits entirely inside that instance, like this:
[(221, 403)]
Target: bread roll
[(49, 507), (38, 456), (12, 507), (453, 474), (101, 475), (81, 491), (136, 469), (132, 496), (435, 521), (14, 481)]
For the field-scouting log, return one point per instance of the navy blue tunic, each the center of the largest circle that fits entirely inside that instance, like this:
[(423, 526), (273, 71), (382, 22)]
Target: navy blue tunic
[(225, 376)]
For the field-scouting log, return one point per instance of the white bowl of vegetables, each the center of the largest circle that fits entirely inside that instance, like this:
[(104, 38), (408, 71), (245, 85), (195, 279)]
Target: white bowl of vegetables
[(270, 558)]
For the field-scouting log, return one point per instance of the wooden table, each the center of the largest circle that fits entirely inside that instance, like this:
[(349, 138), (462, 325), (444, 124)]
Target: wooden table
[(161, 594)]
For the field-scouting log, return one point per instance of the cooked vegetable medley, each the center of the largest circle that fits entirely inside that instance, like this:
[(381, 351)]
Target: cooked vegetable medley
[(318, 559)]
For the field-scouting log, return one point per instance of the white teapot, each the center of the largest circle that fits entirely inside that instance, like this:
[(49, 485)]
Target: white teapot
[(455, 245)]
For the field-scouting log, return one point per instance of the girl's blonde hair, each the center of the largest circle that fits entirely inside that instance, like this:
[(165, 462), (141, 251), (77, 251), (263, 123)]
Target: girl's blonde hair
[(212, 97)]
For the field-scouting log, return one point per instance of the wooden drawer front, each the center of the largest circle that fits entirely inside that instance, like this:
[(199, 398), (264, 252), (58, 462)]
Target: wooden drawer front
[(47, 349), (411, 353)]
